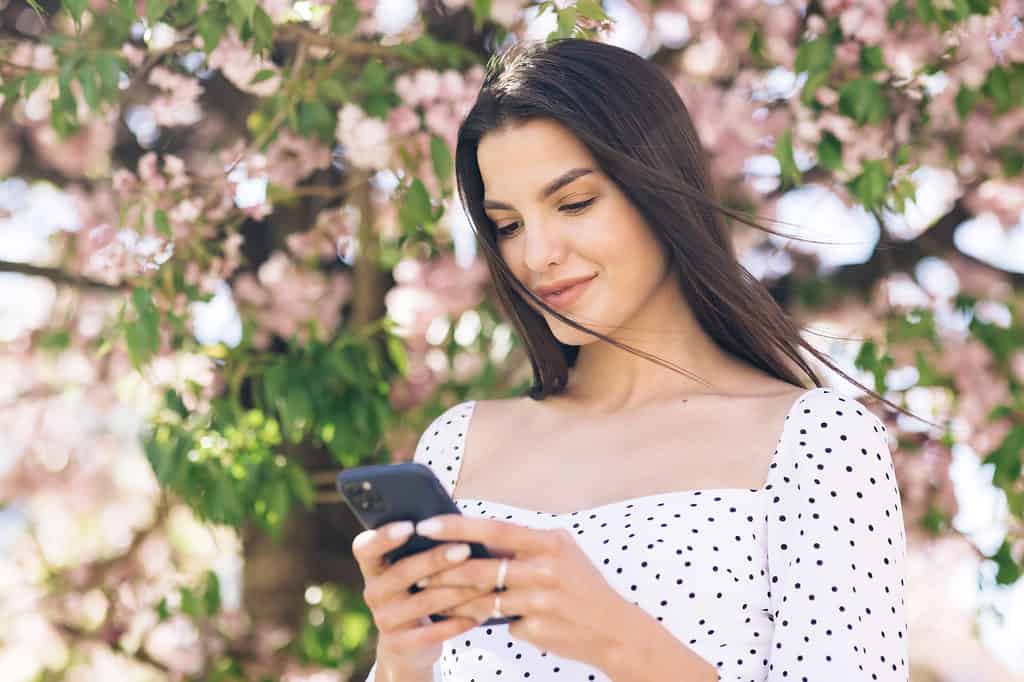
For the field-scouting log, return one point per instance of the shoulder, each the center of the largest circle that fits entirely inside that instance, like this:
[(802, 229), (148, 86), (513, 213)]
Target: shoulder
[(444, 430), (827, 433), (825, 413)]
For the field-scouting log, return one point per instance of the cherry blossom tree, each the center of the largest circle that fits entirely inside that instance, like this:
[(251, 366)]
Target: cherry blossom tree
[(234, 263)]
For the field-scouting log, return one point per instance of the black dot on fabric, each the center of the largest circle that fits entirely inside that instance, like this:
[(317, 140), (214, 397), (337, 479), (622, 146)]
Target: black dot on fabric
[(768, 573)]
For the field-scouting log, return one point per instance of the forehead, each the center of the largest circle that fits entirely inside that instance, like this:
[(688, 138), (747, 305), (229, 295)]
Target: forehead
[(518, 158)]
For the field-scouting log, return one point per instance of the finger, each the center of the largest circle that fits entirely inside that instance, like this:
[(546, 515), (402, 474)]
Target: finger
[(369, 547), (403, 613), (393, 582), (500, 535), (513, 603), (483, 573), (427, 634)]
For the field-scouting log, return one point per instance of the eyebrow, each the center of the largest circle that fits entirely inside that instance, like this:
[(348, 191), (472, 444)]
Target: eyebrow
[(549, 189)]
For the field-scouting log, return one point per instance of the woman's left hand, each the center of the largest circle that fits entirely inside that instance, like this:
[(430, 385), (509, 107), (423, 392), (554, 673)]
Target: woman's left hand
[(567, 606)]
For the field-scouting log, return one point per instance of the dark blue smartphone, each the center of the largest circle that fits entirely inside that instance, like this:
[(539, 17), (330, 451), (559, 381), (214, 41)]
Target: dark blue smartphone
[(379, 494)]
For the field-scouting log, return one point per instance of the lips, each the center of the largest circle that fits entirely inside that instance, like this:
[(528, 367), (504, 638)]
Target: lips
[(545, 291), (569, 295)]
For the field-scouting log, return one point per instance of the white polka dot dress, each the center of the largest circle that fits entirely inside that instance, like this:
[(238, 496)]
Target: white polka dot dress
[(800, 580)]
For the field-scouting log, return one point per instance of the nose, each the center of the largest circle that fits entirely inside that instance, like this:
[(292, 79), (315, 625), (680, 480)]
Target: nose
[(544, 247)]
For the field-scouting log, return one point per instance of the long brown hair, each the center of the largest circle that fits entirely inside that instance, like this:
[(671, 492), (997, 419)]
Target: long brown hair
[(636, 126)]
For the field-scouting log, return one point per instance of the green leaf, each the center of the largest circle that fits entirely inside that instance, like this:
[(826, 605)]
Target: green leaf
[(811, 85), (871, 59), (868, 360), (375, 77), (174, 402), (1012, 159), (1008, 572), (109, 68), (481, 13), (162, 610), (441, 158), (332, 90), (155, 9), (315, 118), (87, 76), (398, 355), (863, 100), (965, 101), (143, 334), (163, 225), (262, 31), (211, 26), (830, 151), (240, 11), (301, 487), (566, 22), (211, 593), (415, 210), (904, 191), (54, 341), (814, 55), (934, 520), (262, 75), (870, 186), (926, 12), (30, 83), (297, 415), (591, 10), (789, 172), (344, 17), (1007, 459), (898, 13), (189, 603), (997, 86), (75, 8)]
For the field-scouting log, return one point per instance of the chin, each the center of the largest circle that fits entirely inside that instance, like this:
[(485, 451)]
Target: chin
[(570, 336)]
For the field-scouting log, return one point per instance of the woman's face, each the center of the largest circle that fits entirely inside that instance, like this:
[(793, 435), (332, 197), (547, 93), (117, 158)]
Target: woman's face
[(585, 227)]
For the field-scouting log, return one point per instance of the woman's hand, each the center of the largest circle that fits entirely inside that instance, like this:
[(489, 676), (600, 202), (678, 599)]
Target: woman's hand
[(409, 642), (567, 606)]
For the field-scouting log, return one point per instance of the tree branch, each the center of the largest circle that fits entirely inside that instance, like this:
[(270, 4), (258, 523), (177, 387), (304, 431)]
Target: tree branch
[(58, 276), (340, 44)]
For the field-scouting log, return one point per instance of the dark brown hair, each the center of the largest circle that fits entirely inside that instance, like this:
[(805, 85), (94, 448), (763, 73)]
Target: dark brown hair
[(636, 126)]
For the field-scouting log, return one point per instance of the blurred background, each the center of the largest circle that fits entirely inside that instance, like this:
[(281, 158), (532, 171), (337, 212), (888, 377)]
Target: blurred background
[(232, 264)]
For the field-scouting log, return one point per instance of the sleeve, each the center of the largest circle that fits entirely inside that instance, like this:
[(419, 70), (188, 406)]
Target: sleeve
[(836, 549)]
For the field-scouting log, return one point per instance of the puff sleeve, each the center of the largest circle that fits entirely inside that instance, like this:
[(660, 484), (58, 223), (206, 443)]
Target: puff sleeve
[(836, 545)]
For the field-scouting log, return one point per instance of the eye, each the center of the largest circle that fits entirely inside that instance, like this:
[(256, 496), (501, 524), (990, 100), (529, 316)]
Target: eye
[(572, 209)]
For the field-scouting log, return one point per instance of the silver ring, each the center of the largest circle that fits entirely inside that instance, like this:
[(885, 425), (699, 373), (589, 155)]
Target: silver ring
[(496, 611), (502, 570)]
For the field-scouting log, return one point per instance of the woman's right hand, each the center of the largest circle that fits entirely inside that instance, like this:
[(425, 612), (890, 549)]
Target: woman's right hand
[(409, 642)]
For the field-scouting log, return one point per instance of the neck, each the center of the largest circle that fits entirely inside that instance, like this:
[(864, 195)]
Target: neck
[(607, 379)]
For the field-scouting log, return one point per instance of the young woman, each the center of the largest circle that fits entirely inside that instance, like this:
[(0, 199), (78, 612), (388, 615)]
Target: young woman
[(731, 519)]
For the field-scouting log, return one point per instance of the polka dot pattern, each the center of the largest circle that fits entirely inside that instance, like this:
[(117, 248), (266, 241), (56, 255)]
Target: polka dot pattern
[(799, 580)]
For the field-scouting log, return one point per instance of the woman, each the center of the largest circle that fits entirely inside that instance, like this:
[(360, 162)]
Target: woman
[(727, 524)]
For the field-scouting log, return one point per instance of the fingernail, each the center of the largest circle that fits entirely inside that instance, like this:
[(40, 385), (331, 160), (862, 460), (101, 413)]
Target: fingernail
[(457, 553), (421, 583), (400, 530), (427, 527)]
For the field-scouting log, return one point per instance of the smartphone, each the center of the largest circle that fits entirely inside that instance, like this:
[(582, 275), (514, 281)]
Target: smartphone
[(379, 494)]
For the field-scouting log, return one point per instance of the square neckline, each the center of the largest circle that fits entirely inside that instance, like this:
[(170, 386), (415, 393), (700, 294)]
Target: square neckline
[(632, 501)]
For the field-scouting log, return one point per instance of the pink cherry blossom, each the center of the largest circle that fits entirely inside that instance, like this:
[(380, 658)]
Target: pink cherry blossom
[(179, 105), (291, 158), (402, 121), (239, 65), (366, 140)]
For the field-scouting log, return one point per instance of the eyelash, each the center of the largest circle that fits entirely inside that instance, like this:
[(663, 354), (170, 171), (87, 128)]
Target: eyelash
[(576, 209)]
